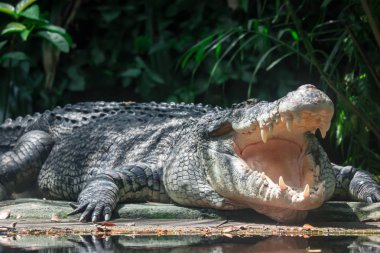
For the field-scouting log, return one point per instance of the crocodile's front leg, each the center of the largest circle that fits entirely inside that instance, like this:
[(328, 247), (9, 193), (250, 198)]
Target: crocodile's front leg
[(20, 165), (105, 188), (97, 199), (353, 184)]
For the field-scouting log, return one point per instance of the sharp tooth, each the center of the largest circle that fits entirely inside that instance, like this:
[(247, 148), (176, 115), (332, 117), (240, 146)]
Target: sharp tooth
[(268, 179), (282, 184), (283, 119), (323, 132), (289, 124), (262, 175), (306, 191), (313, 131), (264, 135)]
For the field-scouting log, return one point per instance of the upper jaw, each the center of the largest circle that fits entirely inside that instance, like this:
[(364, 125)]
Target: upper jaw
[(306, 110), (282, 120)]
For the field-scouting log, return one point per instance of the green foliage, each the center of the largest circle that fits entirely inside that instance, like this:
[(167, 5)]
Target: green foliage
[(330, 45), (14, 56), (28, 20), (206, 51)]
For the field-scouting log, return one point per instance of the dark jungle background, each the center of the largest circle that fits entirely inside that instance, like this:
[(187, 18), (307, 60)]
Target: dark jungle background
[(215, 52)]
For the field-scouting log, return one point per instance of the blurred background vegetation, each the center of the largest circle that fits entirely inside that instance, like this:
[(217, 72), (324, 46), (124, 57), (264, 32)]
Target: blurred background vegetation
[(215, 52)]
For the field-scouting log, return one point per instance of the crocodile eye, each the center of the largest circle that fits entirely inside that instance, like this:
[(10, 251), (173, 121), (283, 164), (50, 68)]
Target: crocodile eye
[(222, 129), (248, 103)]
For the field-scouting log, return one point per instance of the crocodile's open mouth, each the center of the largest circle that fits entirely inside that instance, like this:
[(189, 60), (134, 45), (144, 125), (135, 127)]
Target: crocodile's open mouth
[(280, 151), (276, 165)]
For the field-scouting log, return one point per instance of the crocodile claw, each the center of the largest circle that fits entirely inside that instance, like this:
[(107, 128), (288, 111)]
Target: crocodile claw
[(369, 200), (369, 193), (95, 210), (96, 201), (79, 208), (374, 195)]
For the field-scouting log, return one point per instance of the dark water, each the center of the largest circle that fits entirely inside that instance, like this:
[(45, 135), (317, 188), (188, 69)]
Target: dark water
[(182, 244)]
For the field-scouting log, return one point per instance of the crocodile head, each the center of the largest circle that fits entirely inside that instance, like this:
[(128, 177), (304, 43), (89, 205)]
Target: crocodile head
[(265, 155)]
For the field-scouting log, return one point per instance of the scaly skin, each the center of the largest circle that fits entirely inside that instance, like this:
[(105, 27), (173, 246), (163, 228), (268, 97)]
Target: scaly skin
[(258, 155)]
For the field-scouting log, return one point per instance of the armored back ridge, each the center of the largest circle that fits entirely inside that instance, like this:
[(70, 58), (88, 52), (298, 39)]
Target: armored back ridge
[(261, 155)]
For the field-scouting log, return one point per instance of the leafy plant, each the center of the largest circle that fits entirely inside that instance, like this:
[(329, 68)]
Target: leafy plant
[(27, 21), (328, 45), (130, 50)]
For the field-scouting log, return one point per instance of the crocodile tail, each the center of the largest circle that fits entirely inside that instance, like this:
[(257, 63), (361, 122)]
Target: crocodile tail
[(12, 129)]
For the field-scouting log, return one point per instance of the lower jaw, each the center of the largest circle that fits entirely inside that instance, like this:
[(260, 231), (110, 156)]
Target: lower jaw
[(283, 215)]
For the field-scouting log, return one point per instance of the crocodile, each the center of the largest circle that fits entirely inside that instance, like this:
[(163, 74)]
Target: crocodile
[(255, 154)]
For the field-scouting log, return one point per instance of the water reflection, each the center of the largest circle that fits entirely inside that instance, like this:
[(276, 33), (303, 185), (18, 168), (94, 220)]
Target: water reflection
[(184, 244)]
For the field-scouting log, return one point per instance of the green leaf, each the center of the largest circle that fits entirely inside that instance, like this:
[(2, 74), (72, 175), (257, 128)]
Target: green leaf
[(332, 58), (252, 24), (218, 50), (160, 46), (201, 49), (362, 76), (23, 4), (155, 77), (187, 56), (33, 12), (228, 50), (25, 34), (263, 29), (274, 63), (152, 76), (200, 55), (245, 5), (135, 72), (325, 3), (140, 62), (242, 46), (7, 8), (53, 28), (292, 32), (194, 49), (109, 13), (15, 56), (13, 27), (258, 66), (294, 35), (57, 29), (56, 39), (2, 44)]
